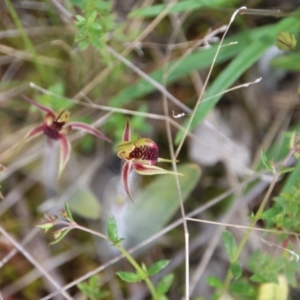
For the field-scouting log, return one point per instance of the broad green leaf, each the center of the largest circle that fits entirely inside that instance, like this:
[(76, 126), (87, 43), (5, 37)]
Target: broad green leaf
[(271, 213), (265, 277), (243, 288), (229, 244), (292, 179), (214, 282), (198, 60), (182, 6), (236, 270), (283, 170), (112, 230), (286, 41), (156, 203), (164, 285), (84, 203), (130, 277), (157, 267), (288, 62), (244, 60)]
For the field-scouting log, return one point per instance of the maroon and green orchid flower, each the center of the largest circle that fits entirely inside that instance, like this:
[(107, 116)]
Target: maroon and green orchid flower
[(140, 155), (56, 127)]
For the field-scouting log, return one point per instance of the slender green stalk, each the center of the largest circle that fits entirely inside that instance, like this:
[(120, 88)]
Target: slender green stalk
[(253, 223), (124, 252), (140, 271), (248, 233), (26, 40)]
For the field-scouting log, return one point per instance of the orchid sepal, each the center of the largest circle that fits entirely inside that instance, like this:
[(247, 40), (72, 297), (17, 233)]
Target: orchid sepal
[(65, 149), (127, 132), (39, 106), (34, 132), (87, 128), (152, 170), (125, 177)]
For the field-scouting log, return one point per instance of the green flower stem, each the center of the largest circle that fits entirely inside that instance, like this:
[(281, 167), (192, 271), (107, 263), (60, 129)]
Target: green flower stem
[(126, 255), (76, 226), (139, 270), (253, 223)]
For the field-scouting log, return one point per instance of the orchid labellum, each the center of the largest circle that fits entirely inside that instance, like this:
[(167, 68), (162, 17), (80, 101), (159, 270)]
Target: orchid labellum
[(140, 155), (56, 127)]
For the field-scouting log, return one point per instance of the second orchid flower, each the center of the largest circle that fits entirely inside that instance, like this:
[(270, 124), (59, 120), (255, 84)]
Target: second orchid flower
[(140, 155)]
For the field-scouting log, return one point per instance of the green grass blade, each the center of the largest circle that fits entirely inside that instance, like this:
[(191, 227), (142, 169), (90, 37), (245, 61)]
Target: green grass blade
[(182, 6), (237, 67)]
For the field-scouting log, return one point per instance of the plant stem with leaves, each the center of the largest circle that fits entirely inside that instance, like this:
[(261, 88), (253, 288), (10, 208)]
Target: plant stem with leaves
[(69, 224), (257, 217)]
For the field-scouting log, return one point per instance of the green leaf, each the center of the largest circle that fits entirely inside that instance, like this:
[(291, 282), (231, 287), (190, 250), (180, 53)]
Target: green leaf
[(84, 203), (156, 203), (245, 59), (157, 267), (266, 162), (243, 288), (59, 235), (69, 214), (144, 268), (291, 268), (164, 285), (236, 270), (91, 288), (130, 277), (262, 278), (283, 170), (214, 282), (182, 6), (229, 244), (271, 213), (112, 230), (292, 180), (287, 62)]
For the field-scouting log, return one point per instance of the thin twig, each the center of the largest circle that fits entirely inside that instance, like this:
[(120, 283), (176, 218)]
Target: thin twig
[(34, 262)]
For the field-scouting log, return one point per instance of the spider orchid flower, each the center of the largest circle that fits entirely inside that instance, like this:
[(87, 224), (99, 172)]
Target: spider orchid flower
[(56, 127), (140, 155)]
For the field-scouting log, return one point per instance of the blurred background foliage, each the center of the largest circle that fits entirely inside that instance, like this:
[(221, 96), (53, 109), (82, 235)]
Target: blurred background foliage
[(66, 55)]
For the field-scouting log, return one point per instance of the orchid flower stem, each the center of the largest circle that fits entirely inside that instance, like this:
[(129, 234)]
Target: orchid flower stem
[(139, 270), (123, 251), (253, 223), (99, 234)]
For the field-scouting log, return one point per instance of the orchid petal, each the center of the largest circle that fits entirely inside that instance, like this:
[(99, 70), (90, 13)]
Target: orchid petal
[(125, 177), (87, 128), (40, 106), (144, 169), (65, 149), (34, 132), (126, 133)]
